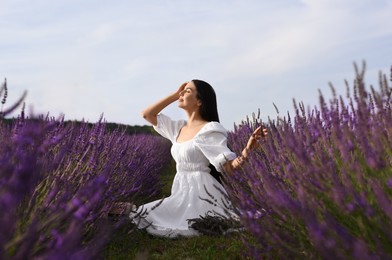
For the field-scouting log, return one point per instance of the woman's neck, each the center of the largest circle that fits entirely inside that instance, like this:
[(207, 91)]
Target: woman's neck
[(195, 119)]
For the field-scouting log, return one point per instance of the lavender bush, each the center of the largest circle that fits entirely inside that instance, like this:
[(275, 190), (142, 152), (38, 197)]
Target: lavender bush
[(321, 184), (3, 98), (59, 180)]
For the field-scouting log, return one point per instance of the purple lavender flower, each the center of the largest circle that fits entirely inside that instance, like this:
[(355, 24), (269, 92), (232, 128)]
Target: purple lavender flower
[(323, 180), (57, 192)]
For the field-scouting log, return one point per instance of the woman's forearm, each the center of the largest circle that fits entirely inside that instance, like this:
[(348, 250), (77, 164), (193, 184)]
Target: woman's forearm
[(259, 133), (150, 113), (238, 161)]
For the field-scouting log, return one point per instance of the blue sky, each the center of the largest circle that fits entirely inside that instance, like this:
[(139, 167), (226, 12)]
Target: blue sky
[(84, 58)]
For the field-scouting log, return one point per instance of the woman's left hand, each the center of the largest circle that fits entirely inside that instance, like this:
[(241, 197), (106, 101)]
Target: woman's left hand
[(257, 135), (253, 142)]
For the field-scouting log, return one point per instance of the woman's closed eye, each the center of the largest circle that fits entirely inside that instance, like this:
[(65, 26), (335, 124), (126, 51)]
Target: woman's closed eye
[(187, 90)]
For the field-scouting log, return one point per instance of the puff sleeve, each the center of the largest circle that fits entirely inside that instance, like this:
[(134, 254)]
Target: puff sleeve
[(213, 144), (167, 127)]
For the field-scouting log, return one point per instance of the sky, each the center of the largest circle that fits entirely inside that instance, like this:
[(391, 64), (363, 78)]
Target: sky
[(85, 58)]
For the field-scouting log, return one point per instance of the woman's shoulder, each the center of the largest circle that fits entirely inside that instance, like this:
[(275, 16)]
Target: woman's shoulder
[(211, 127), (168, 120), (167, 127)]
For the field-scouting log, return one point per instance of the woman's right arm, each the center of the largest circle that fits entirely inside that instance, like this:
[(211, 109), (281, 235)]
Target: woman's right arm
[(150, 113)]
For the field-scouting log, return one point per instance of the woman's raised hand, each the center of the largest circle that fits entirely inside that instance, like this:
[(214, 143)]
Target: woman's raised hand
[(260, 133), (181, 88)]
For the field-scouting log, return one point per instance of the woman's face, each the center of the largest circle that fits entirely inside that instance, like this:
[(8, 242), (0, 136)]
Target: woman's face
[(188, 97)]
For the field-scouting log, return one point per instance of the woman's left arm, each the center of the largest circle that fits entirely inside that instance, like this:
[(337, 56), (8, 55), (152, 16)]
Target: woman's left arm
[(253, 143)]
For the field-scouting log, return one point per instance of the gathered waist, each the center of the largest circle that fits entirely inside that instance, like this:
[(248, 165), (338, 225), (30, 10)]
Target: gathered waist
[(192, 167)]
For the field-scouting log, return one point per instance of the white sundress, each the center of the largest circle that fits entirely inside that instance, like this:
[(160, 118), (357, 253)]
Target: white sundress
[(193, 178)]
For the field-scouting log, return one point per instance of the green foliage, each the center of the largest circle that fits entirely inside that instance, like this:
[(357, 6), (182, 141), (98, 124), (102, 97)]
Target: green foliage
[(140, 245)]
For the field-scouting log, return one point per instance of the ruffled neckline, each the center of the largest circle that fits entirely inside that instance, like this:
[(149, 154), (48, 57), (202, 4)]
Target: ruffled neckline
[(208, 127)]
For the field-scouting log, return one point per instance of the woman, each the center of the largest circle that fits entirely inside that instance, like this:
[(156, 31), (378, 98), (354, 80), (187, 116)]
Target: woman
[(198, 143)]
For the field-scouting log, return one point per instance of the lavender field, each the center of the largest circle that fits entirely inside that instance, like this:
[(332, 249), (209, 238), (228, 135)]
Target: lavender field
[(59, 181), (319, 187)]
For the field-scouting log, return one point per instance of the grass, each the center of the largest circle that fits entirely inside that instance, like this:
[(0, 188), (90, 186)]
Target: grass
[(138, 244)]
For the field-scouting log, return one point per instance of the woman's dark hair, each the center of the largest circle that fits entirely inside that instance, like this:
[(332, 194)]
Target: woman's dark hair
[(208, 111), (206, 94)]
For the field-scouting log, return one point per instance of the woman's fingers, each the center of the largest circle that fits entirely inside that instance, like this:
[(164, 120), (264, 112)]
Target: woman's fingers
[(265, 132), (182, 87), (257, 135), (256, 132), (260, 132)]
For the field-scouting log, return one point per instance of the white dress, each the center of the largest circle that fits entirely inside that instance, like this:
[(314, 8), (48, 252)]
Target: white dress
[(192, 157)]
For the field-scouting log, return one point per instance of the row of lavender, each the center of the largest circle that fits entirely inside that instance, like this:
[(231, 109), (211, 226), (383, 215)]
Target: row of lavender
[(321, 184), (58, 181)]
